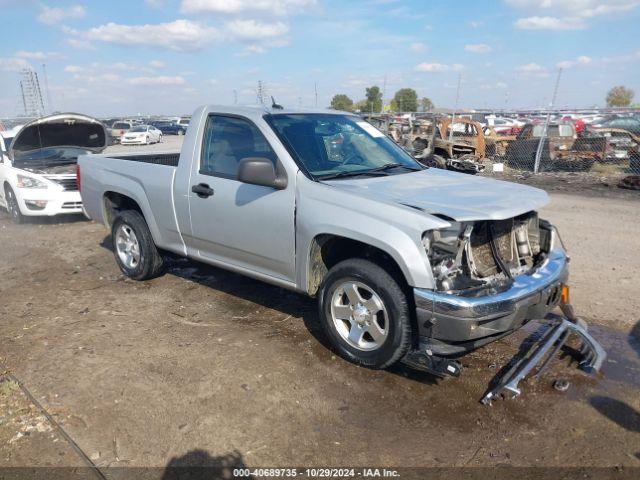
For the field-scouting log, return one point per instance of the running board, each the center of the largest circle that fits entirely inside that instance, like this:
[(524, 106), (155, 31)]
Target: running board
[(593, 356)]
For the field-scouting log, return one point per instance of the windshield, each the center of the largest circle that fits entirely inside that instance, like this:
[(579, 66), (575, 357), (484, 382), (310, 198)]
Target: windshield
[(339, 145), (141, 128)]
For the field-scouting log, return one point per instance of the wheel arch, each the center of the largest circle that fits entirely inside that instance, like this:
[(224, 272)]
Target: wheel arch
[(328, 249)]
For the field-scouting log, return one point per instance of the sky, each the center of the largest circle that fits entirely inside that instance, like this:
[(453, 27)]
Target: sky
[(126, 57)]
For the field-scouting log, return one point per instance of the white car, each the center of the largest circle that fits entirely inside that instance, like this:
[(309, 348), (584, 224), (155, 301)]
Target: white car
[(38, 164), (142, 135)]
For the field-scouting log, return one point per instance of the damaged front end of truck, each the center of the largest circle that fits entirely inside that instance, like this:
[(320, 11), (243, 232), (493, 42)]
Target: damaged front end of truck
[(491, 278)]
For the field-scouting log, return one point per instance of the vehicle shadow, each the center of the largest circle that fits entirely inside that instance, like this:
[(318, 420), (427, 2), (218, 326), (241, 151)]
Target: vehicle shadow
[(618, 412), (56, 220), (200, 465), (268, 296)]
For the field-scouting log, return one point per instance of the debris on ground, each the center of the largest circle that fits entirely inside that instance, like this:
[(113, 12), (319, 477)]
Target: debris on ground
[(561, 384), (630, 182)]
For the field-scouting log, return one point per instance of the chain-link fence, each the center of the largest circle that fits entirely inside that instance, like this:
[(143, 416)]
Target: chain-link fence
[(538, 143)]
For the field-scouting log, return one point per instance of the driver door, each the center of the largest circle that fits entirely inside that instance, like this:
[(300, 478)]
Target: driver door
[(247, 226)]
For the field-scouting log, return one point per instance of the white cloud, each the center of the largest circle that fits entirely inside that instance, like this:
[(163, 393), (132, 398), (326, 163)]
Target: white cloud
[(577, 8), (549, 23), (475, 24), (73, 69), (438, 67), (501, 85), (157, 64), (568, 14), (581, 60), (80, 44), (477, 48), (273, 7), (53, 15), (31, 55), (176, 35), (417, 47), (253, 30), (160, 80), (13, 64), (532, 69)]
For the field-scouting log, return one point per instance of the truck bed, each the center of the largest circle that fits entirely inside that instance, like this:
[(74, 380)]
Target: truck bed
[(168, 159), (148, 179)]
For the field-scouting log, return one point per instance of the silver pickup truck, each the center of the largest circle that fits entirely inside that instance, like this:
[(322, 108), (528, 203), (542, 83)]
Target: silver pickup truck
[(407, 262)]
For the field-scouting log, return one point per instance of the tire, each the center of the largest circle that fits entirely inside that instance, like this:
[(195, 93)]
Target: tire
[(435, 161), (138, 243), (148, 141), (180, 133), (394, 317), (13, 208), (160, 139)]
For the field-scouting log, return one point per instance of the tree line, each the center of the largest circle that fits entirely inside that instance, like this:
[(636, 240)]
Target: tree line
[(404, 100)]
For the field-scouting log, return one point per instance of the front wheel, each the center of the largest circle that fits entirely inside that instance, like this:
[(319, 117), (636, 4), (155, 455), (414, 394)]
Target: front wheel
[(365, 313), (135, 252), (160, 139), (12, 205)]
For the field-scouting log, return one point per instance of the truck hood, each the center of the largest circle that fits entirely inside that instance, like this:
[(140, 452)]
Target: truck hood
[(458, 196), (39, 138)]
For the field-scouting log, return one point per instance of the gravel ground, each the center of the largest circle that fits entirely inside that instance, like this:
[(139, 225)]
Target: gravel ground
[(202, 363)]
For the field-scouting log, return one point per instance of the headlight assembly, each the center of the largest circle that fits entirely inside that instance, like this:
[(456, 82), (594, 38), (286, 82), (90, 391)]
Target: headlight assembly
[(30, 182)]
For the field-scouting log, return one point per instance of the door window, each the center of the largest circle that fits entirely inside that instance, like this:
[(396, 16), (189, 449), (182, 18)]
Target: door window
[(227, 141)]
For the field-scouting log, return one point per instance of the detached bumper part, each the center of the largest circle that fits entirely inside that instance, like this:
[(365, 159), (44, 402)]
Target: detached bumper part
[(549, 344)]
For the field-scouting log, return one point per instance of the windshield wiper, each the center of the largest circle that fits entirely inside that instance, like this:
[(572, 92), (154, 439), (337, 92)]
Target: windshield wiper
[(389, 166), (353, 174), (377, 171)]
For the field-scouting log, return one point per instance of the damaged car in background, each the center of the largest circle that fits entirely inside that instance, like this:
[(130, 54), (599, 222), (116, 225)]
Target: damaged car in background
[(408, 263), (562, 149), (453, 144), (38, 168)]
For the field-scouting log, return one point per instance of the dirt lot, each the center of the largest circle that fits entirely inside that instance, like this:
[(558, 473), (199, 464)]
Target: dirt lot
[(207, 365)]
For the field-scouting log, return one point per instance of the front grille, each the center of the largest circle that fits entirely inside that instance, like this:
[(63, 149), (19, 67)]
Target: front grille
[(71, 205), (69, 184)]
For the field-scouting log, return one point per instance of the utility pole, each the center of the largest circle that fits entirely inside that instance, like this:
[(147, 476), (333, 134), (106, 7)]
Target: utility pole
[(455, 108), (384, 93), (536, 165)]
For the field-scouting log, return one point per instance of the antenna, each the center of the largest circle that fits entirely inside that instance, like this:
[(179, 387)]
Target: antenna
[(235, 96), (274, 105), (315, 85)]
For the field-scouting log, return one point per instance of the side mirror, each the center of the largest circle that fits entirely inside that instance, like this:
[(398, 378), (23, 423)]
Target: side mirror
[(260, 171)]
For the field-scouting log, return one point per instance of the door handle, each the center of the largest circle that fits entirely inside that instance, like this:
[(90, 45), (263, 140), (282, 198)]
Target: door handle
[(202, 190)]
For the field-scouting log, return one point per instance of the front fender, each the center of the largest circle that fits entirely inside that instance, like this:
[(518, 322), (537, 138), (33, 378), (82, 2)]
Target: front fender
[(397, 230)]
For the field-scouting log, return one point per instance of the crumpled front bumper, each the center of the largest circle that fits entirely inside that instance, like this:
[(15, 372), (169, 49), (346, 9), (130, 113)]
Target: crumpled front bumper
[(453, 324)]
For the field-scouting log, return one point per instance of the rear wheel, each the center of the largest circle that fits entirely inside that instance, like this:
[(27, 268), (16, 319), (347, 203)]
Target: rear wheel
[(365, 313), (12, 205), (135, 252)]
